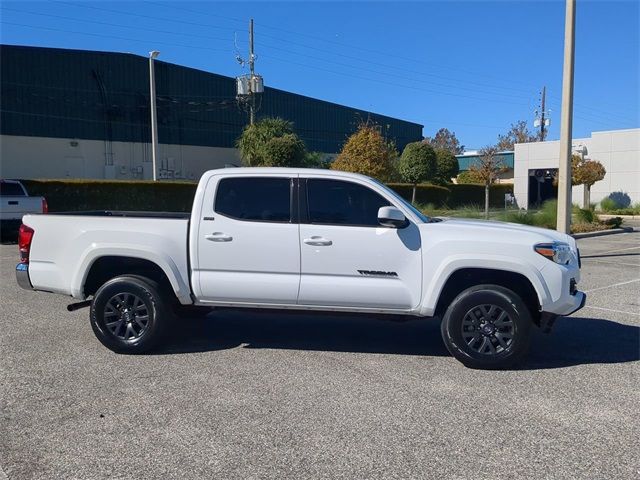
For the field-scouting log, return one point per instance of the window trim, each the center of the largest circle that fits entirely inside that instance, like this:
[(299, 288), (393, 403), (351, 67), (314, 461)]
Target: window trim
[(305, 217), (293, 208)]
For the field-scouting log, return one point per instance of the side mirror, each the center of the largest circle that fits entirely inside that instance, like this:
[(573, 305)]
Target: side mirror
[(392, 217)]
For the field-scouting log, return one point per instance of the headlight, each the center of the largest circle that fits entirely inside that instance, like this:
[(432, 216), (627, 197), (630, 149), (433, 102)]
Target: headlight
[(557, 251)]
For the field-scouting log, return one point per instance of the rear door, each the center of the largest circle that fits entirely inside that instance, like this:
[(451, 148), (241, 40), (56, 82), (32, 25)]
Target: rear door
[(248, 243), (347, 258)]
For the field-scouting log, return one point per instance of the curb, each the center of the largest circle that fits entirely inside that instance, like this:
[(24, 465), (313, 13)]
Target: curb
[(601, 233)]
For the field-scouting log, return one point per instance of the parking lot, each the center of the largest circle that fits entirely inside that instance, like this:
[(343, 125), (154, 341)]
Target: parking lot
[(256, 395)]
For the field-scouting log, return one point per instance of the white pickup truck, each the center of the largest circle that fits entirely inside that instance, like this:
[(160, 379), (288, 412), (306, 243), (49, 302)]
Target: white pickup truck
[(307, 240), (15, 202)]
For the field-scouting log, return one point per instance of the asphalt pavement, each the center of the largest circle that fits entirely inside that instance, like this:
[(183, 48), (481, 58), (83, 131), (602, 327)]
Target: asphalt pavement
[(254, 395)]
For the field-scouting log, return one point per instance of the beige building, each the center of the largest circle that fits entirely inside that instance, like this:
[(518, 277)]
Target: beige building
[(536, 165)]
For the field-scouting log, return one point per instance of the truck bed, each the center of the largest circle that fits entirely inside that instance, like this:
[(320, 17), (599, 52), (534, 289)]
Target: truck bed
[(127, 214), (66, 245)]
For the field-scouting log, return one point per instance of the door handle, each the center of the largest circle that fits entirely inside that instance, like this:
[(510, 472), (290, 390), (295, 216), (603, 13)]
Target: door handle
[(218, 237), (318, 241)]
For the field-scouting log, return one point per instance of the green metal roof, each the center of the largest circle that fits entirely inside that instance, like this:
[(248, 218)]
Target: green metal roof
[(83, 94)]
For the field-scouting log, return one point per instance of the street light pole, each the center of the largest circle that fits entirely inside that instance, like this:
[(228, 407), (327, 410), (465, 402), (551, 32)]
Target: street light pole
[(154, 118), (564, 173)]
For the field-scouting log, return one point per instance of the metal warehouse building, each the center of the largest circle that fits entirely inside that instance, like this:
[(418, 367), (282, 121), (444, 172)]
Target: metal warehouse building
[(85, 114)]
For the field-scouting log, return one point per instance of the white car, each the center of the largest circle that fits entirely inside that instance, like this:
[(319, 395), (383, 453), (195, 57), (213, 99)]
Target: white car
[(307, 240)]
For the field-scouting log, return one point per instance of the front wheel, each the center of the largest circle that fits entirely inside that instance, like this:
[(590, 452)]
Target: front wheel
[(129, 315), (487, 327)]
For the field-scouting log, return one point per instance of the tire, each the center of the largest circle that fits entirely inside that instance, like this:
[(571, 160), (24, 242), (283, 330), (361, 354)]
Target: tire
[(129, 314), (487, 327)]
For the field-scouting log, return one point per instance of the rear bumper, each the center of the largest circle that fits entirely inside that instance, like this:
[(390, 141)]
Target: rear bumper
[(22, 276)]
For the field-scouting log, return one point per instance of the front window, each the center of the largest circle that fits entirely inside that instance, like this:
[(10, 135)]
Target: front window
[(401, 200), (335, 202)]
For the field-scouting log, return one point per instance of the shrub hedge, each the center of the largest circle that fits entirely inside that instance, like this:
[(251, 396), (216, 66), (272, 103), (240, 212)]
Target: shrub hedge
[(454, 195), (82, 195), (434, 194)]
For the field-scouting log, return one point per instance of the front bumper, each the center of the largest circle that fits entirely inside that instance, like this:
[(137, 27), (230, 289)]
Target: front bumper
[(547, 319), (22, 276)]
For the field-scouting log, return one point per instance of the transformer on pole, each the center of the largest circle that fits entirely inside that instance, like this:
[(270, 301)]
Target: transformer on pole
[(248, 87)]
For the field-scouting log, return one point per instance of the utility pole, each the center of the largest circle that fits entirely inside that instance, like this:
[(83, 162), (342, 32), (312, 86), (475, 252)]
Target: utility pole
[(541, 119), (154, 117), (248, 87), (564, 177), (252, 96), (543, 134)]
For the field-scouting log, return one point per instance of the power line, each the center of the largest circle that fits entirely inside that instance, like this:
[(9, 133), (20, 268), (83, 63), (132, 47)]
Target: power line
[(136, 27), (396, 56), (397, 85), (146, 42), (287, 61), (350, 57), (140, 15)]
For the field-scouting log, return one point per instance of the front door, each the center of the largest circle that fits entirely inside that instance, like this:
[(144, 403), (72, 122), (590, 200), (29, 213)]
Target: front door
[(347, 258), (248, 246)]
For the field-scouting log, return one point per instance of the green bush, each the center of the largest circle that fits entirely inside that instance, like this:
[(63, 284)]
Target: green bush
[(585, 216), (83, 195), (608, 204), (465, 194), (547, 217), (523, 217), (425, 193)]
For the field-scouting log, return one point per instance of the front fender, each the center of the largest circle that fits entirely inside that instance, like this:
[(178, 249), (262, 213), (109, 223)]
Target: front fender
[(435, 281)]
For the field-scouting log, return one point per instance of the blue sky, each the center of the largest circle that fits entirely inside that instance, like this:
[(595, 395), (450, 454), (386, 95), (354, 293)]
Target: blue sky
[(473, 67)]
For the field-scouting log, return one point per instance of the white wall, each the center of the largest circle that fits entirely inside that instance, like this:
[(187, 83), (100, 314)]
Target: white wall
[(39, 157), (617, 150)]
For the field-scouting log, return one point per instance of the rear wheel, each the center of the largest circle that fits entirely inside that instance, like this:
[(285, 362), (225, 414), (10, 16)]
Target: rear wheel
[(487, 327), (129, 315)]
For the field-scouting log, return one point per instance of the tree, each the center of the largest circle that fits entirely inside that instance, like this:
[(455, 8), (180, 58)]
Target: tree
[(445, 140), (586, 172), (519, 133), (447, 166), (417, 164), (285, 151), (366, 152), (487, 170), (468, 177), (271, 142)]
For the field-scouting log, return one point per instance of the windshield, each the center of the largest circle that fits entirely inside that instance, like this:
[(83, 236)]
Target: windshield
[(395, 195)]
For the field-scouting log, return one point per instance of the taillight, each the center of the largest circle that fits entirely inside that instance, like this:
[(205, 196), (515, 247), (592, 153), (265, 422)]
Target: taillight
[(25, 235), (45, 206)]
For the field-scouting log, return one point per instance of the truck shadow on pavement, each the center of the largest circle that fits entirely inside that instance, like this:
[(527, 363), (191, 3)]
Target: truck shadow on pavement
[(574, 341), (583, 340)]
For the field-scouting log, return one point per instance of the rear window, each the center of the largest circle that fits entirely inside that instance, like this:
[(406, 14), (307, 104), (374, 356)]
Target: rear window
[(257, 199), (11, 189)]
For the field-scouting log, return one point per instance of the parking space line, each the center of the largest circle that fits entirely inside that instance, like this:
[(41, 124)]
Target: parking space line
[(611, 251), (612, 310), (611, 263), (614, 285)]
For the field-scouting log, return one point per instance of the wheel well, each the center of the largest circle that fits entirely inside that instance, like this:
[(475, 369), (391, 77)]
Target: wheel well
[(106, 268), (462, 279)]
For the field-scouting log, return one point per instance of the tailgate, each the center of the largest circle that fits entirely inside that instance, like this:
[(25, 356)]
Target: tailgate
[(13, 208)]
